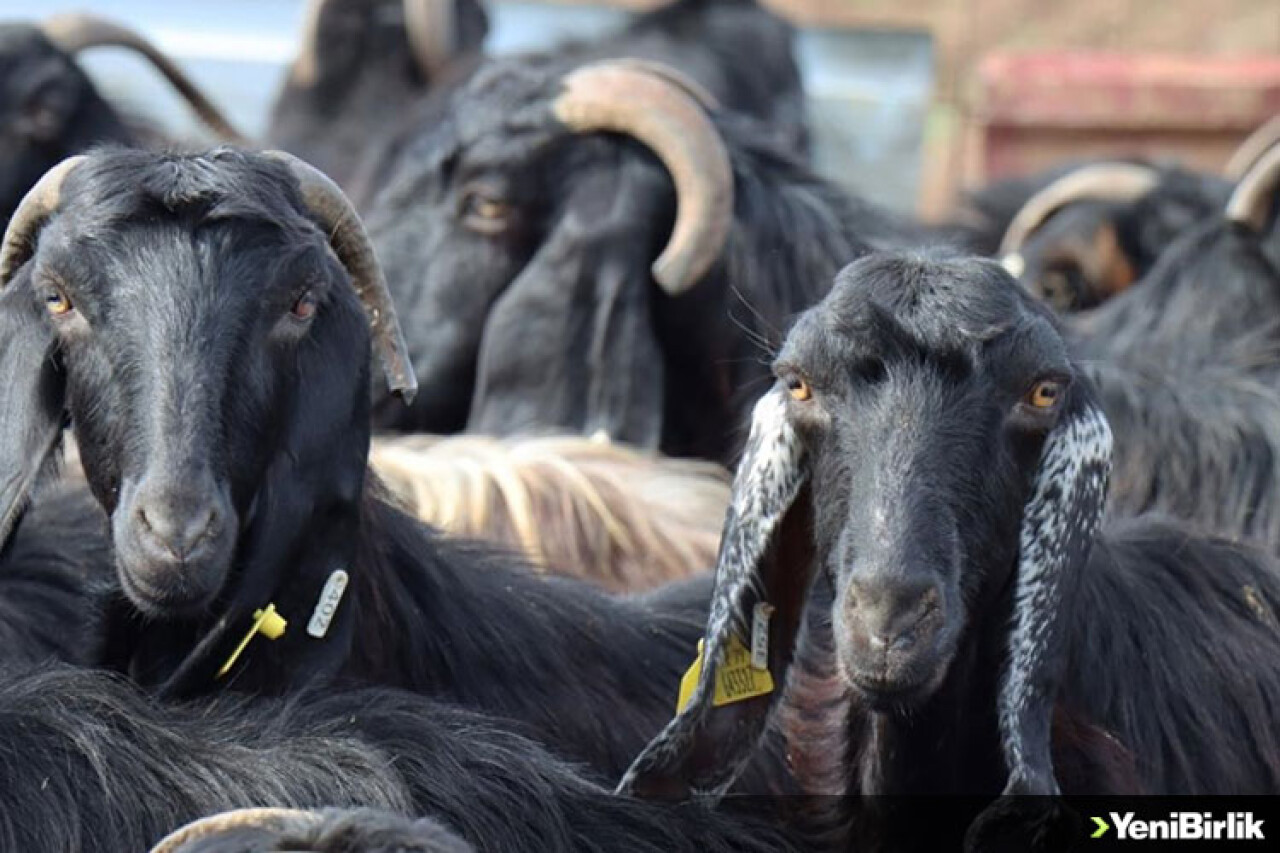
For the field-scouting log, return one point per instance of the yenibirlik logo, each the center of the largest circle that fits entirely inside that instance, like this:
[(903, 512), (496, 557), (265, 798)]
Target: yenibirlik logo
[(1182, 826)]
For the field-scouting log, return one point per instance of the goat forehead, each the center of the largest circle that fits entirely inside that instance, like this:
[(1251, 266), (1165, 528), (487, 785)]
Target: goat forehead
[(123, 185)]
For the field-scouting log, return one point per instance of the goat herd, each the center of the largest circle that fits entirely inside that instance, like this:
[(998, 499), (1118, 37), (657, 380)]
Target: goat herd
[(989, 534)]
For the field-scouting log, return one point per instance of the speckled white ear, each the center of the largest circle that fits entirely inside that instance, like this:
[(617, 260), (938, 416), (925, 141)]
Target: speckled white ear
[(1059, 522), (686, 756)]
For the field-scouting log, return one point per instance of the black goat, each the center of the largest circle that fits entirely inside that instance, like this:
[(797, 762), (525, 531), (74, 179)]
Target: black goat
[(54, 109), (200, 319), (1186, 363), (1077, 236), (91, 764), (362, 65), (521, 230), (934, 457)]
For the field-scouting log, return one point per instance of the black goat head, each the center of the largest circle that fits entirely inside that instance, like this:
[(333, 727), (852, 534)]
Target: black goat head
[(199, 318), (929, 448), (498, 223)]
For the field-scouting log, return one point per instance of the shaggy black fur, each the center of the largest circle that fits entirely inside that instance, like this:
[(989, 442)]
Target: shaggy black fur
[(89, 763)]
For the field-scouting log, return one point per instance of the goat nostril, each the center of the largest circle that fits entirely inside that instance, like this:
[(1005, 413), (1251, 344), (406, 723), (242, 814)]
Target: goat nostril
[(143, 520)]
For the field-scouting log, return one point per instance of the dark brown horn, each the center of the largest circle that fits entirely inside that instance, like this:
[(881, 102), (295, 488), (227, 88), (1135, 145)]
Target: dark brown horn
[(1252, 149), (1100, 182), (35, 209), (271, 820), (431, 30), (1256, 192), (351, 244), (75, 32), (658, 110)]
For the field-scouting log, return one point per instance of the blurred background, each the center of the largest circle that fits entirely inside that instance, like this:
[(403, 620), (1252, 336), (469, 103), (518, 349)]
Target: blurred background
[(910, 100)]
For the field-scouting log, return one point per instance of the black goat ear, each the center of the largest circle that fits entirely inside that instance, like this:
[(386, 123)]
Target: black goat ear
[(1059, 523), (763, 575), (31, 416), (570, 343)]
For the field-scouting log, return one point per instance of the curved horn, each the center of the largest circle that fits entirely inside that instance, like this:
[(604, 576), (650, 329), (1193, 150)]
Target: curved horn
[(658, 110), (1254, 195), (431, 29), (351, 244), (35, 209), (1252, 149), (271, 820), (73, 33), (305, 70), (1099, 182)]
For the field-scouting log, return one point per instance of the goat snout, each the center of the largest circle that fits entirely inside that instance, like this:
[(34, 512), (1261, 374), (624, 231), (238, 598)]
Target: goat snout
[(179, 527), (890, 632), (174, 537)]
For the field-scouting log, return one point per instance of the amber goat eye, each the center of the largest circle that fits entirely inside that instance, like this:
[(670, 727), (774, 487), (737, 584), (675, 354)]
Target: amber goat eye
[(798, 388), (486, 213), (57, 302), (1044, 395), (305, 307)]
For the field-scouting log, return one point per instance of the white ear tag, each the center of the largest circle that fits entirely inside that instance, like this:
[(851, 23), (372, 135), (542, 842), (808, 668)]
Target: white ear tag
[(327, 606), (760, 634)]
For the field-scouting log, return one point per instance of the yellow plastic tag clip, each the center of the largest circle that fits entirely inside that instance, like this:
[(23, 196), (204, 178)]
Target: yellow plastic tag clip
[(266, 622), (736, 678)]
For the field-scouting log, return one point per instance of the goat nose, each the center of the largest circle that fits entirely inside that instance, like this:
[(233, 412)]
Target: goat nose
[(893, 616), (178, 524)]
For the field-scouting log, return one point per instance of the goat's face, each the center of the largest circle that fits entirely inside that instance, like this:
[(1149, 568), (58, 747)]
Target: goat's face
[(1076, 260), (930, 449), (519, 244), (925, 396), (207, 340)]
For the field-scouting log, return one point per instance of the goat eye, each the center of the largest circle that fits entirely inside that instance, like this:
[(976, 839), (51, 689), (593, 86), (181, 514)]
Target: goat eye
[(1044, 395), (485, 213), (305, 306), (57, 302), (1055, 287), (798, 388)]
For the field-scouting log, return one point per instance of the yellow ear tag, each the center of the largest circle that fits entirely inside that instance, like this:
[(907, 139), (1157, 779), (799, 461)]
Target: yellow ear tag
[(736, 678), (266, 622)]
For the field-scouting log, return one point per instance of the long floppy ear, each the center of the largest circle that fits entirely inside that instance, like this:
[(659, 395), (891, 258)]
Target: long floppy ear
[(763, 575), (1061, 518), (32, 413), (570, 343)]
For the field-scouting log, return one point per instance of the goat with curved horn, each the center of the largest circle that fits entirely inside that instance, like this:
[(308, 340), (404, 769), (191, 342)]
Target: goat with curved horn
[(76, 32), (660, 112), (1099, 181)]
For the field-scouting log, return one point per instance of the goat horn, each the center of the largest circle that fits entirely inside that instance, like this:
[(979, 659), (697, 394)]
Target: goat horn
[(431, 29), (1099, 182), (34, 210), (1252, 149), (306, 67), (1253, 196), (271, 820), (74, 32), (658, 109), (351, 244)]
